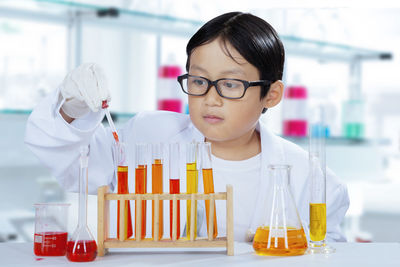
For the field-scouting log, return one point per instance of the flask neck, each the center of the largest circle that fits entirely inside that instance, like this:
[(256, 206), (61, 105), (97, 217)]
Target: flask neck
[(280, 175), (83, 192)]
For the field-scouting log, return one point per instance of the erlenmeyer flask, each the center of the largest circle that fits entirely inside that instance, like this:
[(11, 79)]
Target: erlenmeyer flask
[(82, 247), (282, 233)]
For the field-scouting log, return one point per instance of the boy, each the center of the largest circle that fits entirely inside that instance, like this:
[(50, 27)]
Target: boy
[(235, 65)]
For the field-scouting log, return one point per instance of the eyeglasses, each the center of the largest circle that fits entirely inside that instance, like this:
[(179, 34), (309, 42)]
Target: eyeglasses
[(227, 88)]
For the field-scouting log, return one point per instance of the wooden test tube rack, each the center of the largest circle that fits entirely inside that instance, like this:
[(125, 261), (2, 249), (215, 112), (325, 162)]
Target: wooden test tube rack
[(103, 221)]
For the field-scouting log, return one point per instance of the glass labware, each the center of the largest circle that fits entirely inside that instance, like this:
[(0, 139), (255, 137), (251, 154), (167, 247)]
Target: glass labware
[(282, 233), (141, 157), (51, 234), (157, 186), (192, 184), (82, 246), (174, 188), (317, 167), (208, 183), (121, 163)]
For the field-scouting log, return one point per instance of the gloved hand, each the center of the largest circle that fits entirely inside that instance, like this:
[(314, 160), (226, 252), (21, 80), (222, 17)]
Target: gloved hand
[(84, 89)]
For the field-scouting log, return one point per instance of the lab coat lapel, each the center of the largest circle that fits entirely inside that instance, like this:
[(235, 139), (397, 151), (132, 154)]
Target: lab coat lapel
[(271, 153)]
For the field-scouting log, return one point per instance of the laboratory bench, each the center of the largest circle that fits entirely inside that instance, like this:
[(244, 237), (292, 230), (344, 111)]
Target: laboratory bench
[(347, 254)]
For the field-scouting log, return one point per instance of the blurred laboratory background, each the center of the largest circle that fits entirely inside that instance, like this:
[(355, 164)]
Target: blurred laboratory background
[(343, 55)]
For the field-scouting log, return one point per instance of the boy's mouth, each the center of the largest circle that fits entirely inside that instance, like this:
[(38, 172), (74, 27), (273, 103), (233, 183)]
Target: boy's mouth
[(212, 119)]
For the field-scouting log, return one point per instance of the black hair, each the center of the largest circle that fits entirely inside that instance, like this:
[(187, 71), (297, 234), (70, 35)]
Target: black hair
[(251, 36)]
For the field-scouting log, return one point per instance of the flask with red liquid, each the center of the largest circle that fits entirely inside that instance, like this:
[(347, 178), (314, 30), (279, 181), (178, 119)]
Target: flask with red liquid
[(169, 92), (82, 247)]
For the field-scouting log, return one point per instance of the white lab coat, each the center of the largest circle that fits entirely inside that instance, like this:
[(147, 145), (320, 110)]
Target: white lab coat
[(57, 143)]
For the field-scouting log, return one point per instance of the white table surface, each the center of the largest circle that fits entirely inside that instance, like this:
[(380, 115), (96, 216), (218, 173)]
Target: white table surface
[(347, 254)]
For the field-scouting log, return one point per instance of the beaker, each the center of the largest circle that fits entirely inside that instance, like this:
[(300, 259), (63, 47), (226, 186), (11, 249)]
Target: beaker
[(51, 233), (82, 247), (282, 233)]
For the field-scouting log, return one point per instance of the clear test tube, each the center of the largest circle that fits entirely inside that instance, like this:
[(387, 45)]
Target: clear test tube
[(192, 185), (317, 167), (157, 163), (174, 188), (141, 156), (208, 183), (121, 162)]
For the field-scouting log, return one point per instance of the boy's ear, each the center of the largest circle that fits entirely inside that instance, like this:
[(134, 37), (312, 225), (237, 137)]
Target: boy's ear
[(274, 95)]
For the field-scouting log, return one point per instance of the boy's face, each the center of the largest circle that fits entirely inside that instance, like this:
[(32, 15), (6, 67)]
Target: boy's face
[(218, 118)]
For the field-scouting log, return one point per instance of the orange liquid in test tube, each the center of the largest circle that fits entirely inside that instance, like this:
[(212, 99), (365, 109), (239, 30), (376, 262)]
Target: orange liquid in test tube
[(157, 188), (209, 189), (174, 189), (122, 172), (141, 188)]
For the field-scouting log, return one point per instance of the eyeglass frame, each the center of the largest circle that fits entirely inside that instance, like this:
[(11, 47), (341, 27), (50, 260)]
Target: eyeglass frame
[(246, 85)]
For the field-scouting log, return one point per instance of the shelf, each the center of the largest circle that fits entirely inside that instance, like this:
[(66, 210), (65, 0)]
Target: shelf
[(340, 141), (61, 10)]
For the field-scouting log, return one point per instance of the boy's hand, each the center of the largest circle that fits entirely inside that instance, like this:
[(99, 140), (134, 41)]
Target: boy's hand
[(84, 89)]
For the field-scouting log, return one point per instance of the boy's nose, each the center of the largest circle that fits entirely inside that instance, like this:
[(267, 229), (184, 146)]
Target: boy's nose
[(212, 98)]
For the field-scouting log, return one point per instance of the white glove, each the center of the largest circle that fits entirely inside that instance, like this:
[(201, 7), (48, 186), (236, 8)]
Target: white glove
[(84, 89)]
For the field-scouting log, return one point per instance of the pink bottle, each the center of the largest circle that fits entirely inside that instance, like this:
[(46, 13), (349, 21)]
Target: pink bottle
[(295, 111), (169, 91)]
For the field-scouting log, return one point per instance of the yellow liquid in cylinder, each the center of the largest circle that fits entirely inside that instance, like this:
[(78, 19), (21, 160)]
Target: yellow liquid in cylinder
[(191, 187), (317, 221), (296, 241)]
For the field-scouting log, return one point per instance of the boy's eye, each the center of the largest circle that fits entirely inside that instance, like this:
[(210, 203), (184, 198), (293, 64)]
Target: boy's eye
[(198, 82), (230, 84)]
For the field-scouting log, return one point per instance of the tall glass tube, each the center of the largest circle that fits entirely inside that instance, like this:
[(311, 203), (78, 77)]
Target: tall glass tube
[(208, 183), (141, 153), (174, 188), (317, 166), (192, 184), (121, 158), (157, 185)]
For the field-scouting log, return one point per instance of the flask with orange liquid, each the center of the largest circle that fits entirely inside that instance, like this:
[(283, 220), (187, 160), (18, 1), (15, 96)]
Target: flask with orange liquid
[(282, 233)]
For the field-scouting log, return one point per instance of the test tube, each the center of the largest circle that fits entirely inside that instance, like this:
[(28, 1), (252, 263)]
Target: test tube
[(141, 153), (120, 151), (174, 188), (192, 181), (157, 186), (208, 183), (317, 165)]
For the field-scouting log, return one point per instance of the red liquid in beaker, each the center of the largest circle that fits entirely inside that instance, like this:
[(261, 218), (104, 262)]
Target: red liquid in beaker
[(85, 250), (50, 243)]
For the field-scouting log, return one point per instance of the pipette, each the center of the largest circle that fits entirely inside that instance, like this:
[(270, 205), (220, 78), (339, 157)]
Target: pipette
[(110, 121)]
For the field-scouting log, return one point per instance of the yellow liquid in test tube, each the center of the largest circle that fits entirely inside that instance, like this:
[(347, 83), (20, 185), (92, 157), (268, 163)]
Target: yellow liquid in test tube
[(191, 187), (317, 221)]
